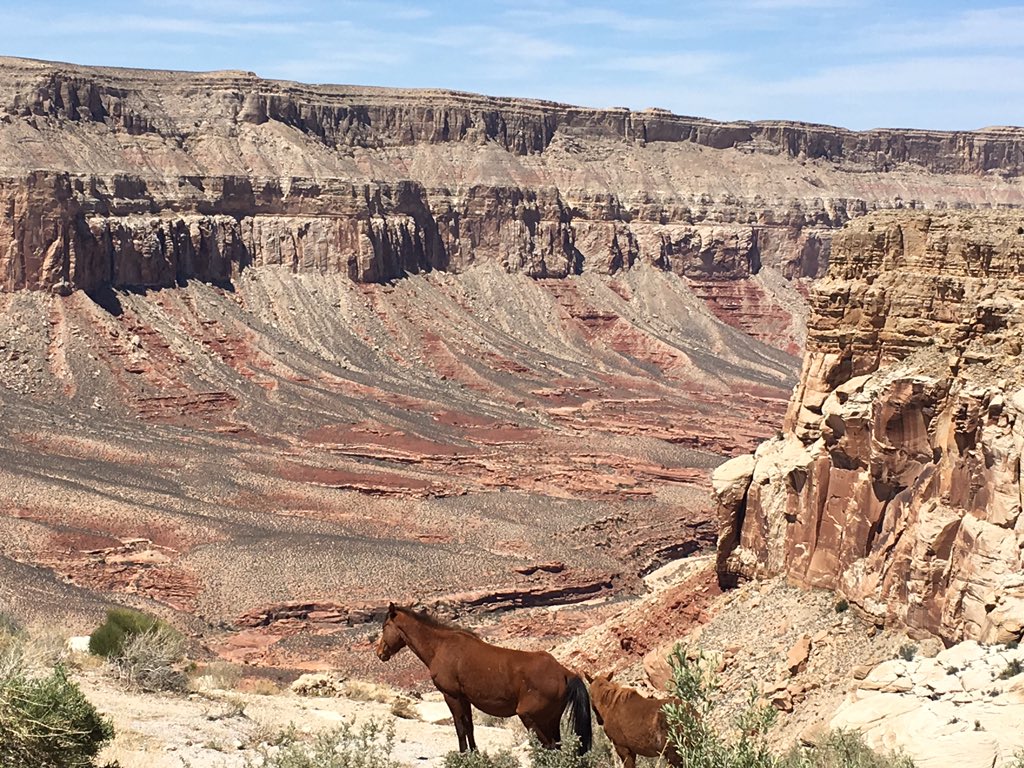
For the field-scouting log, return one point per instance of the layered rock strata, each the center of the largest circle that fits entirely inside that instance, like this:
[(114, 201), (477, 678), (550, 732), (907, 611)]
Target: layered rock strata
[(897, 478), (130, 178)]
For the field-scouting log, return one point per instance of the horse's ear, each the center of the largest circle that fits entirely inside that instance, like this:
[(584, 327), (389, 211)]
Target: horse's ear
[(588, 677), (392, 610), (609, 676)]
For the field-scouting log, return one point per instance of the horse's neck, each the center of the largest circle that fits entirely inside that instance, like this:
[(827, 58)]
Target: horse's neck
[(421, 638)]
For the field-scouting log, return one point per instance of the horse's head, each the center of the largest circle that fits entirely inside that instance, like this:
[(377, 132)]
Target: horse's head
[(601, 689), (391, 639)]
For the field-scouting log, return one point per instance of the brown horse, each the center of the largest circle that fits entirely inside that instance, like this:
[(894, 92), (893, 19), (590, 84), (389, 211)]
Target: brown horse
[(635, 724), (499, 681)]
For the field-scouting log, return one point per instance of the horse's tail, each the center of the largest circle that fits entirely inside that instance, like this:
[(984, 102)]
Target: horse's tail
[(578, 698)]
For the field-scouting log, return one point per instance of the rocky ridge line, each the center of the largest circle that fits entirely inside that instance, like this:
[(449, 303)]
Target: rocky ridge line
[(354, 116)]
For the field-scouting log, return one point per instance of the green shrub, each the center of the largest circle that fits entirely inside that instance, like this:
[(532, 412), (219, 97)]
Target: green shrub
[(45, 720), (699, 745), (843, 749), (568, 754), (907, 651), (503, 758), (1012, 669), (121, 624), (368, 746), (691, 734)]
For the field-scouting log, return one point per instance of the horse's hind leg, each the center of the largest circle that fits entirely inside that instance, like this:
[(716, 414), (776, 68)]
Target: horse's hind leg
[(626, 756), (468, 725), (550, 731), (462, 716), (543, 734)]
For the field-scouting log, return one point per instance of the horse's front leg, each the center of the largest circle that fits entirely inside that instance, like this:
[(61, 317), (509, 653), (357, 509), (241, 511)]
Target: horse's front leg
[(461, 715)]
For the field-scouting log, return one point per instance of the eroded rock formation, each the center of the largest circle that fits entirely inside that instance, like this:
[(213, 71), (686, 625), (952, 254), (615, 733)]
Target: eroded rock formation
[(897, 478), (129, 178)]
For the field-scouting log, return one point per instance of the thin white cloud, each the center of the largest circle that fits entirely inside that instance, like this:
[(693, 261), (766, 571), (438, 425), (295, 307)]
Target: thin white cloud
[(551, 18), (927, 74), (983, 29), (174, 25), (498, 43), (790, 5), (670, 65)]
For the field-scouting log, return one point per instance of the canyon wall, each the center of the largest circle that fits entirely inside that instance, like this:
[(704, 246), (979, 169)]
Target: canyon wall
[(896, 480), (134, 178)]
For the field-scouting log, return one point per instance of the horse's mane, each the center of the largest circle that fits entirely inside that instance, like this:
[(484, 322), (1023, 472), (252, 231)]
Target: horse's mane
[(426, 617), (615, 693)]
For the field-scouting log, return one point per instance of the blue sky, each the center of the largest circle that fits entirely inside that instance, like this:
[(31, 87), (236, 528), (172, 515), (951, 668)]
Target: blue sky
[(872, 63)]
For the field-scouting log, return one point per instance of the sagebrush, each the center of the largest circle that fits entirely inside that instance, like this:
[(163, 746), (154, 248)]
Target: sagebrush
[(700, 745), (45, 720), (151, 661), (503, 758), (367, 746), (843, 749), (568, 754)]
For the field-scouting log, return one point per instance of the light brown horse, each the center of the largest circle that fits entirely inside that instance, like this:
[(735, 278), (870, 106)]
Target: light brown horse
[(635, 724), (499, 681)]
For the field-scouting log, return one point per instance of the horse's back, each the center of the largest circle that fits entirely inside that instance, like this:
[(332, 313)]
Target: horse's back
[(639, 724), (496, 677)]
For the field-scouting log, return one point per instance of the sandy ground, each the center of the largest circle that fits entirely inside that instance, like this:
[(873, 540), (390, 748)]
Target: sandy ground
[(222, 729)]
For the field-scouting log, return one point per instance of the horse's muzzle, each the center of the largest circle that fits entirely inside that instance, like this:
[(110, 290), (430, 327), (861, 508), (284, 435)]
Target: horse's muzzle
[(384, 654)]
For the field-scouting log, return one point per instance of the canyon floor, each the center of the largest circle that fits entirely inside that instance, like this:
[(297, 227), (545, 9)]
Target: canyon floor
[(267, 464)]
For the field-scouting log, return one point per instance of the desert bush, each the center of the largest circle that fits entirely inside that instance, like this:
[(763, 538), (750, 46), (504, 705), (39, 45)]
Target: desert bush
[(261, 686), (568, 755), (404, 708), (907, 651), (45, 720), (150, 661), (223, 675), (843, 749), (691, 733), (503, 758), (120, 625), (1012, 669), (368, 746), (842, 605), (701, 746), (9, 626)]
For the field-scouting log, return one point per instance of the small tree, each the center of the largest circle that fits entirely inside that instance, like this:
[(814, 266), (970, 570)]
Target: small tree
[(691, 734)]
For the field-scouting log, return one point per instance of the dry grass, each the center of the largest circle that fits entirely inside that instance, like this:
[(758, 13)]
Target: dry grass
[(223, 675), (404, 708), (362, 690), (261, 686)]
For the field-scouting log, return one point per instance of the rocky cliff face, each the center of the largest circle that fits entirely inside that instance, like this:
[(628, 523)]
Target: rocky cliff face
[(897, 479), (132, 178)]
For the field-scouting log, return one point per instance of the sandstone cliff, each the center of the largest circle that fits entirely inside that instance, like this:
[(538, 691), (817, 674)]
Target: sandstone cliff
[(897, 478), (138, 178)]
